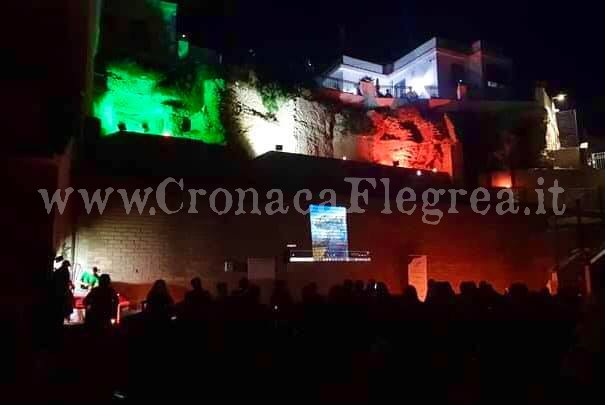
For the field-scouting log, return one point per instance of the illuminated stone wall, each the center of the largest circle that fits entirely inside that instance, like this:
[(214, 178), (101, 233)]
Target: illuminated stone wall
[(175, 99), (552, 128), (138, 100), (405, 138), (258, 129), (144, 81), (138, 249), (302, 125)]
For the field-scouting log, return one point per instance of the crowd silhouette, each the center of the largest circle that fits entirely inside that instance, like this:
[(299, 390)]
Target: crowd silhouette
[(358, 343)]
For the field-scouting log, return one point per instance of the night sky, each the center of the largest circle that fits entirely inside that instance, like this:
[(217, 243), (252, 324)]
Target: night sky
[(547, 41)]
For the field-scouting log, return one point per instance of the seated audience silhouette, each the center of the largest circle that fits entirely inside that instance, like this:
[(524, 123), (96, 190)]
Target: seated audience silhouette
[(196, 300), (159, 304), (101, 303), (242, 289), (280, 297)]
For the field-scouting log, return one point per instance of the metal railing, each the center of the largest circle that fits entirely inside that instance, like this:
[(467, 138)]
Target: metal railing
[(338, 84), (398, 91), (597, 160)]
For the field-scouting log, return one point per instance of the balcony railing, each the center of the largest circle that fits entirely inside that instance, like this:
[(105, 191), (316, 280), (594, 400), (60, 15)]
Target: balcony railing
[(597, 160), (400, 92), (338, 84)]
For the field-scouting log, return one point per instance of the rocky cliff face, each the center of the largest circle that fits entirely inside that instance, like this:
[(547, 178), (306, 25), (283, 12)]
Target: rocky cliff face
[(405, 138), (402, 137)]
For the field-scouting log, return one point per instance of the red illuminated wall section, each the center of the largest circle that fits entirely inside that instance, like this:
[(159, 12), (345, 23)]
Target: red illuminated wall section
[(406, 139)]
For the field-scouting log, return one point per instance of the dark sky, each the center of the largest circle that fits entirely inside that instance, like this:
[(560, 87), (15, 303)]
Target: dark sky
[(557, 43)]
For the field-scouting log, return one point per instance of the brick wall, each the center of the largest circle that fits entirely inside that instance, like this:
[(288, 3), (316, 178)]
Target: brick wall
[(138, 249)]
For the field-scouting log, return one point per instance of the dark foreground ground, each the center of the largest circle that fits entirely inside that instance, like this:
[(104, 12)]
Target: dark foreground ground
[(536, 351)]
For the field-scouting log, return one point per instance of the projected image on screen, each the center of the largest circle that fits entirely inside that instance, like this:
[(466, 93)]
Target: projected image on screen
[(329, 233)]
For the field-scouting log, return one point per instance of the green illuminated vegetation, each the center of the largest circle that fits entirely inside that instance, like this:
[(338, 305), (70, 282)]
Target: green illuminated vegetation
[(273, 95), (185, 103)]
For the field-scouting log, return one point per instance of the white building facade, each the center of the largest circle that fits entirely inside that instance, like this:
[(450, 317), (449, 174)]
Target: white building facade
[(436, 69)]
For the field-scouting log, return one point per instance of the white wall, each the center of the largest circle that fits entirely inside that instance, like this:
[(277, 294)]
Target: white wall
[(354, 75), (427, 69), (445, 61), (552, 128), (416, 53), (421, 74), (362, 64), (350, 71)]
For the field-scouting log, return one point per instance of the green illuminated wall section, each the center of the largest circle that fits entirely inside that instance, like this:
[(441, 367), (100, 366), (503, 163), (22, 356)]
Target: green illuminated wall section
[(140, 100), (183, 49)]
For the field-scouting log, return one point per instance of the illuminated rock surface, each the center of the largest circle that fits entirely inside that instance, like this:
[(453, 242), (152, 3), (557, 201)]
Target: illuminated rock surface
[(402, 137), (195, 106), (138, 100)]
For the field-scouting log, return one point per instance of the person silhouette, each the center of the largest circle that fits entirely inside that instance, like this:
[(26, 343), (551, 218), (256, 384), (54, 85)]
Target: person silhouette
[(410, 295), (159, 303), (243, 286), (89, 280), (101, 304), (310, 295), (280, 296), (197, 295), (62, 289), (196, 300), (222, 292)]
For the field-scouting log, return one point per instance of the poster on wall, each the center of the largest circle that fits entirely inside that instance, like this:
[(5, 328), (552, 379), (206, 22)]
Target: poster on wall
[(418, 275), (329, 237)]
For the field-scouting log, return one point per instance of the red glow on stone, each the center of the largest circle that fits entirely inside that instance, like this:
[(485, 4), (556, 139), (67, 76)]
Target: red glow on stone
[(502, 179), (406, 137)]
